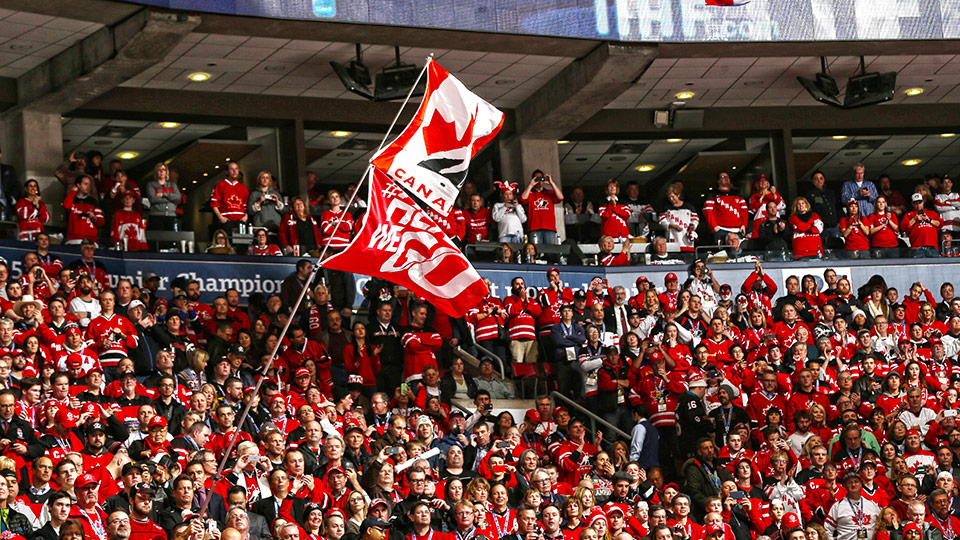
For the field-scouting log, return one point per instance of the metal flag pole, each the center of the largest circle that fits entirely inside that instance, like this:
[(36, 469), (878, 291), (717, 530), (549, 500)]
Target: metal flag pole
[(303, 292)]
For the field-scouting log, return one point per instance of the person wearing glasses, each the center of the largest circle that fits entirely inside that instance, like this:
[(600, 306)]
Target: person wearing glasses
[(16, 434)]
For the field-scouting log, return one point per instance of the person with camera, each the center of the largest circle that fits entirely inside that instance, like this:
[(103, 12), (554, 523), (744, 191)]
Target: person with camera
[(922, 226), (541, 197), (527, 526)]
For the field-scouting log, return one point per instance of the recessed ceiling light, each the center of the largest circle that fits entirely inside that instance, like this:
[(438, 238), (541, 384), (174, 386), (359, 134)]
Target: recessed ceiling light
[(127, 155), (645, 168), (948, 135), (194, 181), (839, 137), (340, 133), (733, 168), (911, 162), (913, 91), (169, 125), (674, 140), (563, 142), (206, 174), (216, 166), (227, 160), (686, 94), (198, 76), (504, 82)]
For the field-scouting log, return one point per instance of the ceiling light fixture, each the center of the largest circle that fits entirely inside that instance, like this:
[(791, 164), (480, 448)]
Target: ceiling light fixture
[(199, 76), (916, 91), (911, 162), (674, 140), (563, 142), (686, 94), (340, 133), (945, 135), (169, 125), (127, 155), (839, 137), (645, 168)]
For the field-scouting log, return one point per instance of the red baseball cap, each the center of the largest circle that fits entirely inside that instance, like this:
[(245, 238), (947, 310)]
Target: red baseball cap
[(66, 418), (912, 527), (670, 277), (610, 508), (74, 329), (790, 520), (90, 407), (655, 356), (85, 479), (558, 410), (157, 421), (301, 372), (713, 528), (532, 416)]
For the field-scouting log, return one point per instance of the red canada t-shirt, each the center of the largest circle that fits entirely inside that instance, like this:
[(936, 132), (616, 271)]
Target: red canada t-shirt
[(540, 210)]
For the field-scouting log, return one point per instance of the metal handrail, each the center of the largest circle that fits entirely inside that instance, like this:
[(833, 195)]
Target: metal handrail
[(592, 416)]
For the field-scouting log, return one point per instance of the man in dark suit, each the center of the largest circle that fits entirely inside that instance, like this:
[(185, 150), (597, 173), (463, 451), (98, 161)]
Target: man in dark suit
[(568, 336), (616, 317), (181, 502), (15, 432), (268, 507)]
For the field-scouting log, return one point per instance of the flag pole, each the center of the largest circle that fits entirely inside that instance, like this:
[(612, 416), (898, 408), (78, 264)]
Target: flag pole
[(303, 292)]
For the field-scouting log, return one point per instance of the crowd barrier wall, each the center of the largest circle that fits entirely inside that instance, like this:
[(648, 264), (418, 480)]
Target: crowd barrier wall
[(217, 273)]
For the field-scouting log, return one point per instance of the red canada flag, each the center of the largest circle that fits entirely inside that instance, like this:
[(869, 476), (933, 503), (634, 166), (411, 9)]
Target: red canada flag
[(399, 242), (432, 155)]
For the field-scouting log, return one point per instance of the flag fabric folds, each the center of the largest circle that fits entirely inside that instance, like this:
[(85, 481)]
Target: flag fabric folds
[(430, 159), (400, 243)]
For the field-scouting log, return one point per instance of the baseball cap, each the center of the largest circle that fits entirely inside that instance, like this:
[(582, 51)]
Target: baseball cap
[(580, 295), (354, 381), (697, 381), (66, 418), (790, 520), (96, 426), (135, 304), (486, 359), (332, 470), (917, 197), (352, 425), (301, 372), (375, 502), (237, 348), (373, 522), (157, 421), (610, 508), (150, 276), (655, 356), (912, 527), (558, 410), (73, 329), (532, 416), (670, 277), (85, 479), (143, 490), (715, 528), (123, 374)]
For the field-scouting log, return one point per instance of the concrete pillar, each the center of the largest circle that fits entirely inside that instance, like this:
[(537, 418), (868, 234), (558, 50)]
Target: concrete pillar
[(292, 159), (33, 144), (520, 156), (784, 166)]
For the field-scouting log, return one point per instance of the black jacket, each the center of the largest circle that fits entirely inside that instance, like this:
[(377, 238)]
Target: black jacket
[(448, 387), (18, 430), (824, 203)]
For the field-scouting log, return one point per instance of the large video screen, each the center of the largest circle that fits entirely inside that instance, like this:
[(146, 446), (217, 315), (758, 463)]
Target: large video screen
[(626, 20)]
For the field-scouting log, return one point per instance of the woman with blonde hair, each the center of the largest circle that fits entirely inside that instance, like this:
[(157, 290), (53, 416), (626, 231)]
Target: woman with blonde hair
[(478, 492), (807, 226), (357, 510), (265, 205), (588, 503), (887, 521), (195, 374), (220, 244)]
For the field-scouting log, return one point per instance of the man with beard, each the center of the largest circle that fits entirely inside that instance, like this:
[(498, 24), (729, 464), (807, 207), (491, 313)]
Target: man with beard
[(86, 265), (84, 305), (299, 351), (141, 507)]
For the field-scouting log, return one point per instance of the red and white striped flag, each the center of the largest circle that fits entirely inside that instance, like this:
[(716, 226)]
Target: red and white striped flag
[(432, 155), (400, 243)]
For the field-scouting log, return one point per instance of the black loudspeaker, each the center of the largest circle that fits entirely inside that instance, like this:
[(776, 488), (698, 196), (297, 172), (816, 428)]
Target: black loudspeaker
[(870, 89)]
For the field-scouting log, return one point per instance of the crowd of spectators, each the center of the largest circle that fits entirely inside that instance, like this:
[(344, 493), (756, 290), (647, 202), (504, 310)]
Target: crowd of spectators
[(811, 413)]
